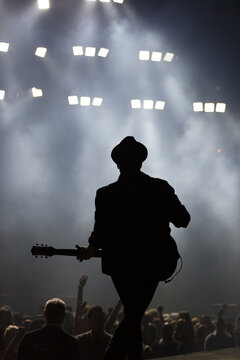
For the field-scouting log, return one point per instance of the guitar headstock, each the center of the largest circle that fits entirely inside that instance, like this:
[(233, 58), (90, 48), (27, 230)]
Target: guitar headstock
[(43, 250)]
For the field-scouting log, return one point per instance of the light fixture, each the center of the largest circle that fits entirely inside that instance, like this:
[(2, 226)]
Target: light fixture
[(41, 52), (103, 52), (4, 46), (148, 104), (136, 104), (159, 105), (119, 1), (209, 107), (2, 94), (144, 55), (90, 51), (168, 57), (43, 4), (97, 101), (220, 107), (77, 50), (37, 92), (197, 106), (85, 101), (156, 56), (105, 1), (73, 100)]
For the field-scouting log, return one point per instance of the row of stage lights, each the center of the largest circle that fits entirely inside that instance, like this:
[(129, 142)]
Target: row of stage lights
[(90, 51), (45, 4), (147, 104)]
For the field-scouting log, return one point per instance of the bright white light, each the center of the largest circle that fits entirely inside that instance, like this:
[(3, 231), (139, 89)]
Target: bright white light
[(168, 57), (91, 0), (85, 101), (197, 106), (106, 1), (148, 104), (4, 46), (2, 94), (37, 92), (159, 105), (97, 101), (156, 56), (77, 50), (136, 104), (209, 107), (144, 55), (103, 52), (220, 107), (43, 4), (90, 51), (41, 52), (119, 1), (73, 100)]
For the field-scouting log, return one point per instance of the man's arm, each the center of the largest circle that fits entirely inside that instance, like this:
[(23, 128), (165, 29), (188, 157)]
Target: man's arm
[(178, 214)]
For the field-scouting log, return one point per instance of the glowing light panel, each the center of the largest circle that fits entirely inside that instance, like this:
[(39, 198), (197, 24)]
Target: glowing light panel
[(136, 104), (105, 1), (2, 94), (197, 106), (103, 52), (209, 107), (85, 101), (43, 4), (156, 56), (73, 100), (41, 52), (77, 50), (148, 104), (168, 57), (4, 46), (119, 1), (37, 92), (90, 51), (144, 55), (220, 107), (97, 101), (159, 105)]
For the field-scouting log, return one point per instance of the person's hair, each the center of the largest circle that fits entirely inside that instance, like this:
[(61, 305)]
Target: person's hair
[(54, 310), (95, 310), (9, 333)]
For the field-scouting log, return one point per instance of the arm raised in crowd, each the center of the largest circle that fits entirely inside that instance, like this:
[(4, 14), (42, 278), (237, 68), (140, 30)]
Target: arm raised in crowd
[(112, 317), (79, 325)]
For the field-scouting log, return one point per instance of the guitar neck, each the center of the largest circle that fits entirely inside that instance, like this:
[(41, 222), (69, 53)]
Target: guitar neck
[(73, 252)]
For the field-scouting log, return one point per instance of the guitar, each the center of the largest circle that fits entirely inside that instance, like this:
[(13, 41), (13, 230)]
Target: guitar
[(48, 251)]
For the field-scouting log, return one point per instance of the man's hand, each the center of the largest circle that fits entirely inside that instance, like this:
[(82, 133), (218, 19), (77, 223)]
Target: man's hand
[(86, 253), (83, 280)]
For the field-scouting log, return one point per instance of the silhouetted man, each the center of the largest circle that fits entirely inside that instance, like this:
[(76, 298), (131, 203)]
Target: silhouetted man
[(50, 342), (132, 229)]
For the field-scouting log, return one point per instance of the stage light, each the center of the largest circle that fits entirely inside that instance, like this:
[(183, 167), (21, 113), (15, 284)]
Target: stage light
[(43, 4), (209, 107), (159, 105), (219, 150), (2, 94), (197, 106), (103, 52), (37, 92), (156, 56), (73, 100), (97, 101), (136, 104), (105, 1), (148, 104), (92, 0), (144, 55), (90, 51), (85, 101), (168, 57), (4, 46), (77, 50), (220, 107), (119, 1), (41, 52)]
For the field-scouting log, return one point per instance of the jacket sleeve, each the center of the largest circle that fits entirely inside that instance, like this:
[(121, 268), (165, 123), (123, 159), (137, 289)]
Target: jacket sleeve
[(178, 214), (97, 236)]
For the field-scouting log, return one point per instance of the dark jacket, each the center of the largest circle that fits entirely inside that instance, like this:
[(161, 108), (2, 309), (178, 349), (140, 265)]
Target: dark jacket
[(48, 343), (132, 224)]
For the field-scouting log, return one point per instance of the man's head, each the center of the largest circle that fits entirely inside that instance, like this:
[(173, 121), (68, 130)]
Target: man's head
[(96, 319), (54, 311), (129, 154)]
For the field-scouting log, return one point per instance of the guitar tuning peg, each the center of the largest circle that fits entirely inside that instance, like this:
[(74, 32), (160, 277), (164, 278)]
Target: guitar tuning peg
[(46, 245), (41, 257), (46, 257), (37, 244), (36, 256), (42, 245)]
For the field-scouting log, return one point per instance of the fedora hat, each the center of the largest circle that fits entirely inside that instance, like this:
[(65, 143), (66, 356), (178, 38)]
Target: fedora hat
[(129, 150)]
